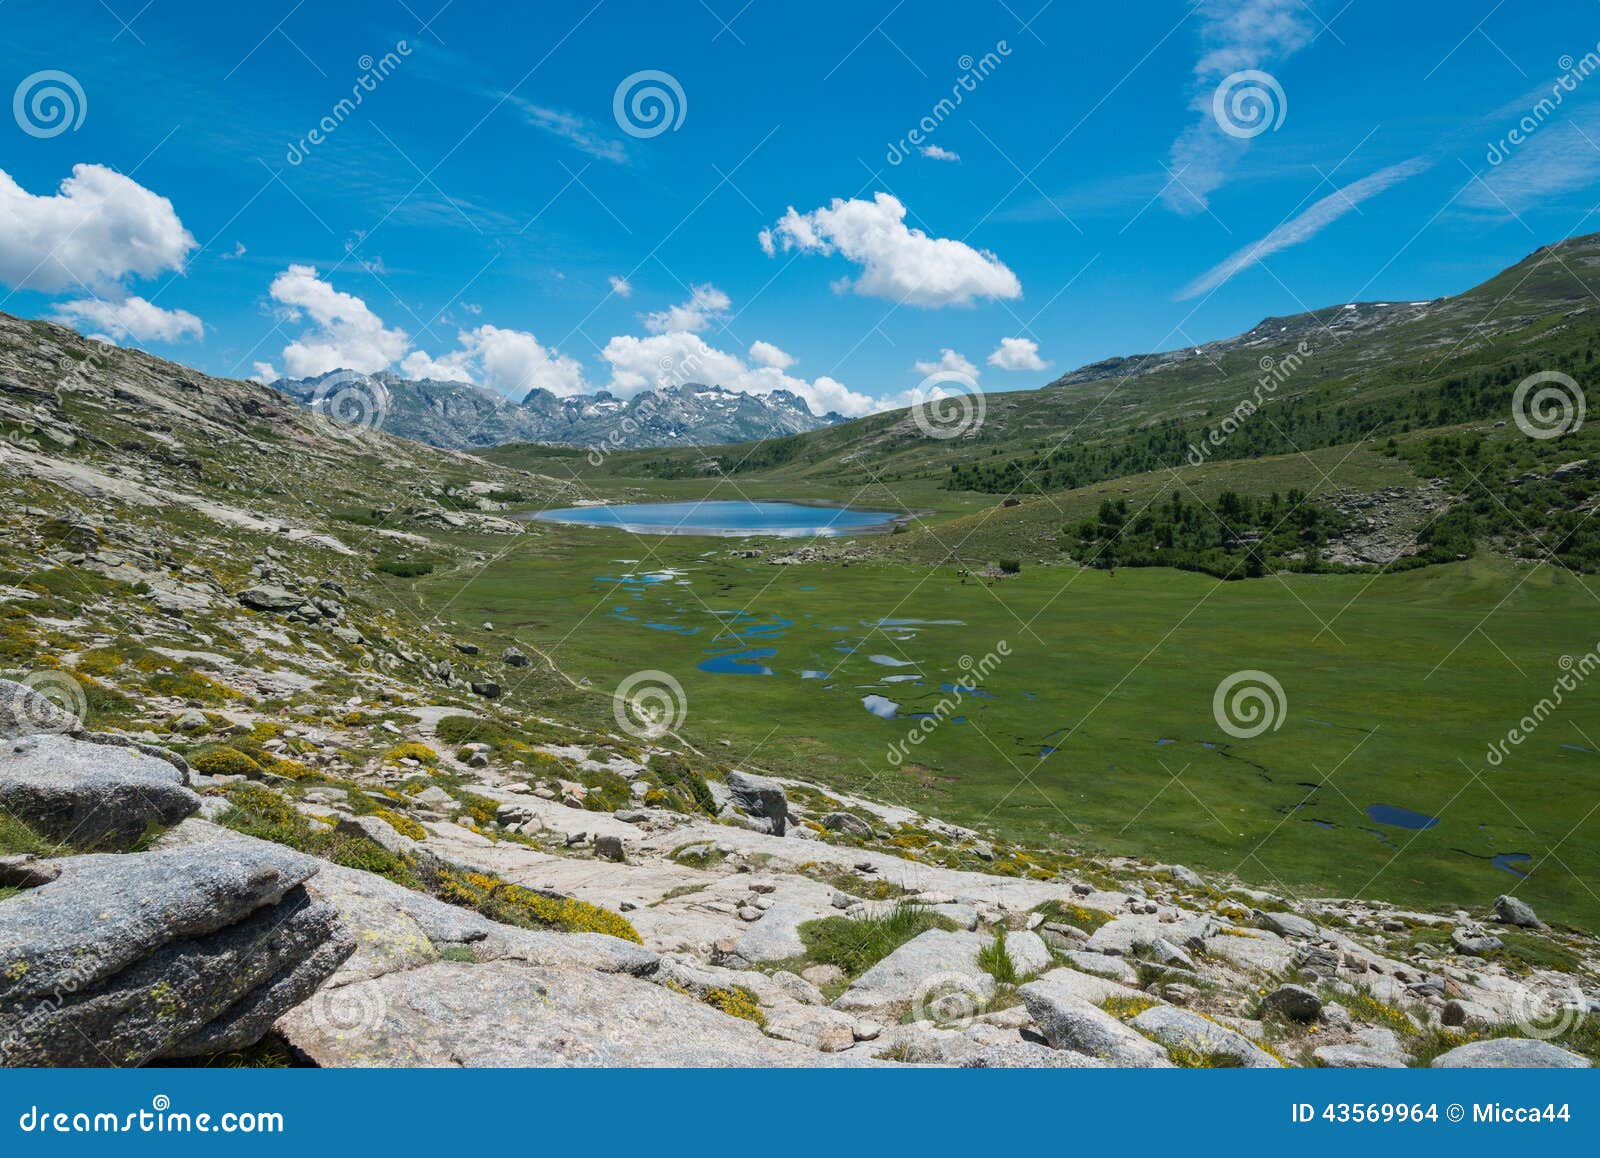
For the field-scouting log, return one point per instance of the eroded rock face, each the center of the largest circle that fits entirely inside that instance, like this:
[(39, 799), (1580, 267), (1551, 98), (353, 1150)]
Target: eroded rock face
[(90, 794), (762, 799), (123, 959)]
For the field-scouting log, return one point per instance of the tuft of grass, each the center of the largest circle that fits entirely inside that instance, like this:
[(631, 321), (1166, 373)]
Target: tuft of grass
[(1128, 1007), (996, 962), (856, 944), (1078, 916)]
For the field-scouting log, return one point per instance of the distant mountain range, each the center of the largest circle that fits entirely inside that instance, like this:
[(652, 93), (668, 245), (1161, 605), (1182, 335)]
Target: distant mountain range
[(462, 416)]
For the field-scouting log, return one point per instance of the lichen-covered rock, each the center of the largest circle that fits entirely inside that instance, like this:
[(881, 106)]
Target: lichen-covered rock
[(89, 794), (1068, 1022), (1203, 1039), (24, 711), (123, 959)]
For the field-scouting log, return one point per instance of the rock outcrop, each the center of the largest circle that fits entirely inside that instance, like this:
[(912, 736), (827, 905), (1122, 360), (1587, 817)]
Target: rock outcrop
[(87, 794), (121, 959)]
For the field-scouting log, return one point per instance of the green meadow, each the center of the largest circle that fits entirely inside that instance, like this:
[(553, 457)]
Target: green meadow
[(1095, 725)]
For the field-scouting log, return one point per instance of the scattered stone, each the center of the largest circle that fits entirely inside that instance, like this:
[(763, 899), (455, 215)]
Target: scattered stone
[(609, 848), (1029, 954), (270, 597), (1178, 1028), (1510, 1053), (1512, 911), (1069, 1022), (1289, 925), (1475, 943), (762, 799), (846, 823), (1295, 1002)]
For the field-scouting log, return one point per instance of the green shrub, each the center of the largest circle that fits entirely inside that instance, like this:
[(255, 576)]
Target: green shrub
[(404, 568)]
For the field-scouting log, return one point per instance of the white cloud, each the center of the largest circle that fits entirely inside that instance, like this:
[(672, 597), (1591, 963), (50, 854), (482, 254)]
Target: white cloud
[(127, 318), (97, 230), (1558, 160), (766, 354), (515, 362), (1018, 354), (677, 358), (578, 132), (949, 362), (343, 334), (1304, 227), (1236, 35), (937, 153), (705, 305), (902, 264), (622, 287)]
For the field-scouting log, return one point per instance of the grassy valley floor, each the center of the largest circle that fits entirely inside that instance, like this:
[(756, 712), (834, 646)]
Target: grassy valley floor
[(1097, 729)]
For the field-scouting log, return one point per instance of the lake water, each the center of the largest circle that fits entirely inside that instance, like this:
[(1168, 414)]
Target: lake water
[(725, 518)]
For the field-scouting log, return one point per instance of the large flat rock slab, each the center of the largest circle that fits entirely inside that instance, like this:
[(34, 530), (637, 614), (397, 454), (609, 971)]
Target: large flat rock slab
[(89, 794), (507, 1013)]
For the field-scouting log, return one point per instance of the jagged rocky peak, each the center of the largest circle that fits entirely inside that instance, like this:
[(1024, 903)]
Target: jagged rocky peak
[(461, 415)]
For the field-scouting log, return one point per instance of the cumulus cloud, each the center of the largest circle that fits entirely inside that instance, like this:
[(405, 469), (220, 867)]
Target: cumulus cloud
[(513, 362), (766, 354), (1304, 227), (342, 333), (130, 318), (897, 262), (937, 153), (676, 358), (98, 229), (622, 287), (1017, 354), (705, 305), (949, 362), (1236, 35)]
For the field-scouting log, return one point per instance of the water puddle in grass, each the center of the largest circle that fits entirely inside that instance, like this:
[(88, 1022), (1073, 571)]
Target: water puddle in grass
[(902, 679), (1401, 817), (813, 674), (740, 662), (1578, 748), (1504, 861), (881, 706), (967, 690), (675, 628), (913, 623)]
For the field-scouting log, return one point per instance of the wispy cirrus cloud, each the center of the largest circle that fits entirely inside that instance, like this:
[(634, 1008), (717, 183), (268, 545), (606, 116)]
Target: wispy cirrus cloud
[(579, 132), (1236, 35), (1558, 159), (1305, 226)]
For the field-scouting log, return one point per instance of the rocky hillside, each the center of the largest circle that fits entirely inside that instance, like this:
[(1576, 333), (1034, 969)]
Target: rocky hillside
[(258, 806), (461, 416)]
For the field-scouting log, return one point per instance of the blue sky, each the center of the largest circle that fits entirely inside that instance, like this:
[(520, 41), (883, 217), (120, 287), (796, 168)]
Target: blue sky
[(490, 209)]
